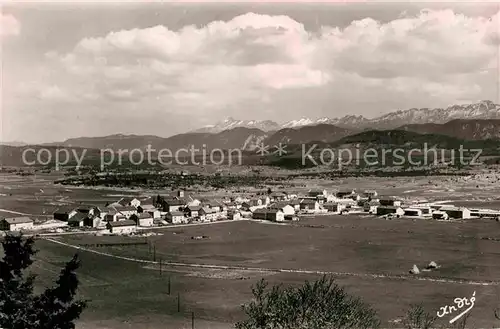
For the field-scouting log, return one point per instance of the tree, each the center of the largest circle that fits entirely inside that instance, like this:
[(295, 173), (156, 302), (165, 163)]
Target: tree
[(417, 318), (20, 307), (321, 304)]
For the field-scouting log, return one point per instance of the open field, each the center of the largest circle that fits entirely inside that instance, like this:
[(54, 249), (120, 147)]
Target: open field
[(39, 196), (370, 257)]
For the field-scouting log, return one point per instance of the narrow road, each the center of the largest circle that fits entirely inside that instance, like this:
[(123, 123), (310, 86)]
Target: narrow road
[(283, 270), (18, 213)]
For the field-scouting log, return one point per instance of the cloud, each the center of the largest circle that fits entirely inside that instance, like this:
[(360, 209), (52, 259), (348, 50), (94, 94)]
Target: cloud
[(272, 67), (9, 25)]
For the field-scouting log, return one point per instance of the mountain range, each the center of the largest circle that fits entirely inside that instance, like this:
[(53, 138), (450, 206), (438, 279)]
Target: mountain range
[(481, 110), (476, 121)]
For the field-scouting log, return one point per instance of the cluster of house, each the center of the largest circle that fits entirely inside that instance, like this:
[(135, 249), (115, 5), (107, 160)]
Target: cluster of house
[(128, 213), (280, 206)]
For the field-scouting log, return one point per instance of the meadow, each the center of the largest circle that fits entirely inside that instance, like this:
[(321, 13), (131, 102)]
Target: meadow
[(370, 257)]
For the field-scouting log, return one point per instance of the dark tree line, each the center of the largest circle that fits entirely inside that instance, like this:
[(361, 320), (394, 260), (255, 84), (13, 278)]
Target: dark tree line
[(20, 308)]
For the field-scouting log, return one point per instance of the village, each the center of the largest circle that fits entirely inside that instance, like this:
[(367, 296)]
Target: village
[(131, 214)]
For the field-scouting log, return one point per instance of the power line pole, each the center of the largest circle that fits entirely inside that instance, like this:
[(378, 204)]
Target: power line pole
[(169, 285), (192, 320), (178, 302), (154, 253), (160, 266)]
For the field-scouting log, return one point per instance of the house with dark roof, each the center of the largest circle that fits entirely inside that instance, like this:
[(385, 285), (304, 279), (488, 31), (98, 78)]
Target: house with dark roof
[(278, 196), (347, 193), (275, 215), (390, 201), (333, 207), (193, 211), (173, 204), (317, 192), (78, 220), (142, 219), (89, 210), (129, 201), (457, 212), (127, 211), (285, 207), (216, 205), (309, 206), (113, 215), (64, 213), (386, 210), (16, 224)]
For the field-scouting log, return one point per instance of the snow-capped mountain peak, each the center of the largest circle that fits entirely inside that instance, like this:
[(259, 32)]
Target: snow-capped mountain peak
[(481, 110), (297, 123), (231, 123)]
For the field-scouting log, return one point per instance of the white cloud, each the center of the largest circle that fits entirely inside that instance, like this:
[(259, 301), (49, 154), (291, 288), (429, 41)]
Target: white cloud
[(276, 68), (53, 93), (9, 25)]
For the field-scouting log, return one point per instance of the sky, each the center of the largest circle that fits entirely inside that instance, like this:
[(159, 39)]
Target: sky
[(96, 69)]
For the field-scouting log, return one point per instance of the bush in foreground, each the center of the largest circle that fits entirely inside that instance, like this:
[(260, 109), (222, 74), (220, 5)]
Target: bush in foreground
[(321, 304)]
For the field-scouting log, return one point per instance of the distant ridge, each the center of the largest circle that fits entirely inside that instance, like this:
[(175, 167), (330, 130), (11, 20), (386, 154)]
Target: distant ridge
[(481, 110), (475, 121)]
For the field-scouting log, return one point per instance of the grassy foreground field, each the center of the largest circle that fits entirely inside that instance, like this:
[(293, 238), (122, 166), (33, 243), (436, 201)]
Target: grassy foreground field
[(373, 256)]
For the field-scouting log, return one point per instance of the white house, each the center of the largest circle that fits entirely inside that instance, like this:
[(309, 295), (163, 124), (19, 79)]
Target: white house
[(309, 206), (143, 219), (176, 217), (122, 227), (16, 224), (207, 214), (127, 211), (149, 209), (288, 210)]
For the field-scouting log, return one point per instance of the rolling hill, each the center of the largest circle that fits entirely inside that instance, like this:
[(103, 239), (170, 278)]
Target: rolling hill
[(469, 129)]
